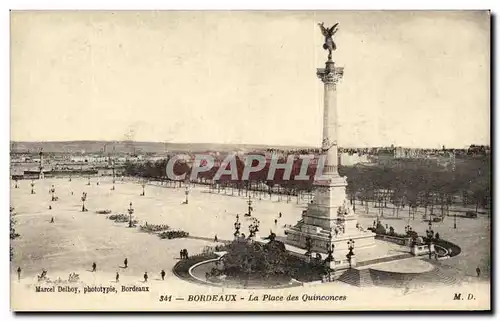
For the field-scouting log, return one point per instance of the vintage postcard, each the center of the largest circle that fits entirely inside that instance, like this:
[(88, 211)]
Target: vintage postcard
[(250, 160)]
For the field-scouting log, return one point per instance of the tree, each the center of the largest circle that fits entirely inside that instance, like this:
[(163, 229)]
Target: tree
[(13, 233), (245, 259)]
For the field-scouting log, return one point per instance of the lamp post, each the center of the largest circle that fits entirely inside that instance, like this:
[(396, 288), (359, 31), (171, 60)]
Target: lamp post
[(455, 220), (143, 186), (84, 198), (88, 183), (330, 247), (430, 235), (52, 191), (254, 227), (237, 226), (187, 193), (16, 183), (32, 187), (250, 209), (130, 212), (350, 246)]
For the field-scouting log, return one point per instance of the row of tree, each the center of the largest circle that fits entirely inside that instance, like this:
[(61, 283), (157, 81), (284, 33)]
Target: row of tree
[(405, 182)]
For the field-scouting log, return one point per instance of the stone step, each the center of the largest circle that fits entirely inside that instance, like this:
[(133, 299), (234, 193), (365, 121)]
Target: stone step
[(384, 259)]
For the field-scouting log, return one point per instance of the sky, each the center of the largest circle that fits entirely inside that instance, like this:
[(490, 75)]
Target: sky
[(413, 79)]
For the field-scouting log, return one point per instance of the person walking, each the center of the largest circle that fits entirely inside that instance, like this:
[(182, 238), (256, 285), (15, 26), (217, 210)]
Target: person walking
[(162, 275), (478, 271), (52, 220), (145, 276), (125, 263), (181, 254), (94, 267), (117, 277), (275, 221), (280, 215), (19, 273), (216, 239)]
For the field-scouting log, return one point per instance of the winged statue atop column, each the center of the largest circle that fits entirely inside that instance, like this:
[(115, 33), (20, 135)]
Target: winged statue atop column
[(328, 33)]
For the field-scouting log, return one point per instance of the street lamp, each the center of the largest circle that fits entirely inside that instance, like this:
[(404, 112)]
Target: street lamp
[(84, 198), (430, 235), (130, 212), (237, 226), (254, 227), (455, 220), (330, 247), (350, 246), (250, 209), (32, 187), (187, 193), (52, 191)]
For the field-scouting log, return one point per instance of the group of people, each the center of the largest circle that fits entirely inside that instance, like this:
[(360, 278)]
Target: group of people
[(184, 253), (125, 265)]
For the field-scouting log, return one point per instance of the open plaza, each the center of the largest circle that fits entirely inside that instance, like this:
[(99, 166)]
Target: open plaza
[(76, 239)]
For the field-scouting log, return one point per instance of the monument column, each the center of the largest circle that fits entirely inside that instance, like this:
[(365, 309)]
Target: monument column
[(330, 76), (40, 175), (329, 219)]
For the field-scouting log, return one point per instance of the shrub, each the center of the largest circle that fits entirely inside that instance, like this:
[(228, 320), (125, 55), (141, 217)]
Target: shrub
[(173, 234), (380, 229), (412, 234), (153, 228), (246, 258), (120, 218)]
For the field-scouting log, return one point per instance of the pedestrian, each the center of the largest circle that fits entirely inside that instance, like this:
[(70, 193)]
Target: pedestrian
[(162, 274), (275, 221), (181, 254), (19, 273), (145, 276), (125, 263), (280, 215), (50, 207), (216, 239), (94, 267), (71, 193), (117, 277), (52, 220), (478, 271), (186, 255)]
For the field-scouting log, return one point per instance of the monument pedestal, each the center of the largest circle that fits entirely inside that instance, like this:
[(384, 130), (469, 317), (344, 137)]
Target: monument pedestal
[(329, 220)]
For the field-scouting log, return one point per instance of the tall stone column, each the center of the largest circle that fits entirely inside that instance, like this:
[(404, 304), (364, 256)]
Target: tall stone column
[(330, 76), (40, 175), (329, 218)]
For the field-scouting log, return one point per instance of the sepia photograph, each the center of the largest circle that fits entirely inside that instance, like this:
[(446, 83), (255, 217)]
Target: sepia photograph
[(192, 161)]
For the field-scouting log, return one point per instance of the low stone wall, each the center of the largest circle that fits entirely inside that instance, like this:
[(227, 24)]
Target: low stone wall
[(394, 239)]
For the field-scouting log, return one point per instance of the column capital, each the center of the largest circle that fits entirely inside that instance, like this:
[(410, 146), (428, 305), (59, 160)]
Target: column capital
[(330, 74)]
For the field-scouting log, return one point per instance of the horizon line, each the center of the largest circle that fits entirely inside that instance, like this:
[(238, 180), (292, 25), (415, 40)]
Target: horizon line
[(250, 144)]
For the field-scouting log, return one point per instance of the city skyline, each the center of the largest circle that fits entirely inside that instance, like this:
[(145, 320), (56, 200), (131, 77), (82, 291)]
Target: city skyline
[(249, 77)]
